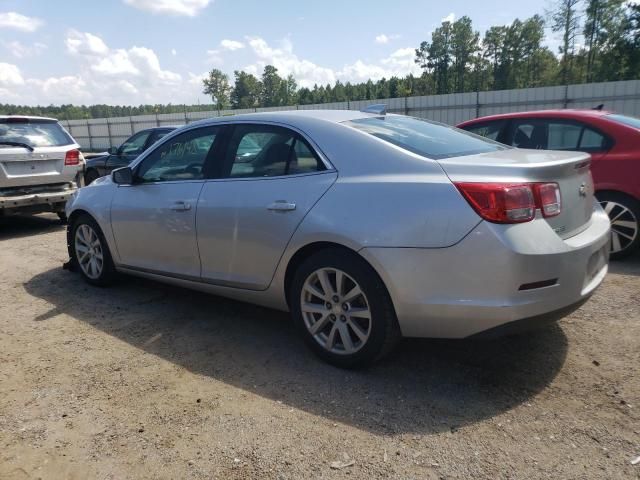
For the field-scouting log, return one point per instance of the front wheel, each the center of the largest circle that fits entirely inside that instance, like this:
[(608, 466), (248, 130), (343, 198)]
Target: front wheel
[(342, 309), (624, 214), (90, 252)]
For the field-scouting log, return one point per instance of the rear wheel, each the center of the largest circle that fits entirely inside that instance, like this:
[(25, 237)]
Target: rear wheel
[(624, 214), (342, 309), (90, 252)]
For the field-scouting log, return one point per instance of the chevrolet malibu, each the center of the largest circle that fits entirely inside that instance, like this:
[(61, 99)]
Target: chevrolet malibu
[(366, 226)]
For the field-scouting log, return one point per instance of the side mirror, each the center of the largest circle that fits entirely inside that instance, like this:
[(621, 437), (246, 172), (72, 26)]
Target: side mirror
[(112, 151), (122, 176)]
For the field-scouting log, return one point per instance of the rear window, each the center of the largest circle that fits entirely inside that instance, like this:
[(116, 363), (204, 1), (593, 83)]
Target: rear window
[(631, 121), (35, 133), (424, 137)]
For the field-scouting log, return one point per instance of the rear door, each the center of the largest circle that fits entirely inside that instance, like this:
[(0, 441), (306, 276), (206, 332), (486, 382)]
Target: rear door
[(270, 179), (154, 220), (41, 161)]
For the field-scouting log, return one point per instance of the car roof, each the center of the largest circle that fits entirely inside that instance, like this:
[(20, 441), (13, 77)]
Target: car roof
[(291, 116), (28, 117), (558, 113)]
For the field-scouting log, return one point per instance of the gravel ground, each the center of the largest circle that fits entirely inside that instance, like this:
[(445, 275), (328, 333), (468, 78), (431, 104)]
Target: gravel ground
[(145, 381)]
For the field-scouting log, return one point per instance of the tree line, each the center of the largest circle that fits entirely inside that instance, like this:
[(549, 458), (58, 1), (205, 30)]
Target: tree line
[(599, 41)]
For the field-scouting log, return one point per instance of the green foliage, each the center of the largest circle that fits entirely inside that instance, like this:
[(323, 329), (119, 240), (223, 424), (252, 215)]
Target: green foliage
[(217, 86)]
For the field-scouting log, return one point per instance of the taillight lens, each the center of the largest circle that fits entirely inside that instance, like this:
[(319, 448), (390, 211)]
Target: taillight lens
[(548, 198), (72, 157), (499, 202), (512, 203)]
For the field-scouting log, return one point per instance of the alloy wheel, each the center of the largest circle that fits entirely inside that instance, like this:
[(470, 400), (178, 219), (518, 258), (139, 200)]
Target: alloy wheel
[(624, 225), (89, 251), (335, 311)]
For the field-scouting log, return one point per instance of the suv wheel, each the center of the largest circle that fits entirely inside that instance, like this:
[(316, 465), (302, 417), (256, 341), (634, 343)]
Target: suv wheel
[(342, 309), (90, 251), (624, 213)]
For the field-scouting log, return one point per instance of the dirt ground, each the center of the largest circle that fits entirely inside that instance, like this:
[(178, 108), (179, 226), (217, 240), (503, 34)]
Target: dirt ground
[(143, 380)]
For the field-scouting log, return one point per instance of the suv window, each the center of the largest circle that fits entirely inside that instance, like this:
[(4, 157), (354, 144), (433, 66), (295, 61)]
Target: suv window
[(135, 145), (555, 135), (33, 132), (424, 137), (157, 135), (490, 130), (181, 158), (268, 151)]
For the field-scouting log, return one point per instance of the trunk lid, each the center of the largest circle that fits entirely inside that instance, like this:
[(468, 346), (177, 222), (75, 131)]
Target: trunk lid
[(570, 170)]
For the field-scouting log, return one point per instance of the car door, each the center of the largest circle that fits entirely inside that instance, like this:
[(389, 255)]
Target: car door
[(128, 151), (154, 220), (270, 178)]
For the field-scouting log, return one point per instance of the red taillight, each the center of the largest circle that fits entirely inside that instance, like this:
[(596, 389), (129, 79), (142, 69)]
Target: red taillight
[(72, 157), (512, 203), (548, 198)]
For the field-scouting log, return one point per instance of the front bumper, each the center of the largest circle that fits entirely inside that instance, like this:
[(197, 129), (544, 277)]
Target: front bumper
[(491, 277)]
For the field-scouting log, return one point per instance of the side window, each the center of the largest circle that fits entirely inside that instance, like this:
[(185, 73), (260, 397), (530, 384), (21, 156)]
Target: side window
[(135, 144), (489, 130), (268, 151), (182, 158), (528, 134), (592, 141), (564, 136), (157, 135)]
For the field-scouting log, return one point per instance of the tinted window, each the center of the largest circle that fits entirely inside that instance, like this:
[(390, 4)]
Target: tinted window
[(34, 133), (528, 134), (424, 137), (626, 120), (563, 136), (181, 158), (157, 135), (592, 140), (489, 130), (266, 151), (135, 145)]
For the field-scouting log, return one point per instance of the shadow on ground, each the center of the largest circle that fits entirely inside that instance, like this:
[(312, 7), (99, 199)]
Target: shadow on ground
[(627, 266), (426, 386), (17, 226)]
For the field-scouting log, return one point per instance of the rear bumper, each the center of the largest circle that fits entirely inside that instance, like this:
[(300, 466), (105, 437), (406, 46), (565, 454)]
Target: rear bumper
[(497, 275), (41, 201)]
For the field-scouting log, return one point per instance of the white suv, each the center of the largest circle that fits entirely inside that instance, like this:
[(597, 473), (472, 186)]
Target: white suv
[(40, 165)]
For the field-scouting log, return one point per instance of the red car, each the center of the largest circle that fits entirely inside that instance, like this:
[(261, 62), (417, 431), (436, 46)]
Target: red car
[(614, 144)]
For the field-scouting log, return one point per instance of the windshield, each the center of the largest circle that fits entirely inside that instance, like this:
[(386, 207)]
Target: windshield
[(424, 137), (35, 133), (631, 121)]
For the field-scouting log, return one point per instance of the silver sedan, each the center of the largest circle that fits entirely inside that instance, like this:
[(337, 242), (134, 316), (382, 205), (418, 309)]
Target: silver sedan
[(365, 226)]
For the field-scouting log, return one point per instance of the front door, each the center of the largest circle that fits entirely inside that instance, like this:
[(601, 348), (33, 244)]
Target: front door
[(154, 220), (128, 151), (270, 179)]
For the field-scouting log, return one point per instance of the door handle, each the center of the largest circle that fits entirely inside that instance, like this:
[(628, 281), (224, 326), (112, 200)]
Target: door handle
[(282, 206), (181, 207)]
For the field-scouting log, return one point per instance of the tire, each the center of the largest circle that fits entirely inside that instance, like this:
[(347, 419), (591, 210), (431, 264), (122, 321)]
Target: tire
[(624, 213), (341, 338), (86, 234), (90, 177)]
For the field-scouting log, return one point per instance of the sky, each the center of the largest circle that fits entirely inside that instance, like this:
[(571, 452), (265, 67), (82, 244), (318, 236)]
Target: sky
[(131, 52)]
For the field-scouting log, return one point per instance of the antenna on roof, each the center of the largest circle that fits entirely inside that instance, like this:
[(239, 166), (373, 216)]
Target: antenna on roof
[(378, 108), (599, 107)]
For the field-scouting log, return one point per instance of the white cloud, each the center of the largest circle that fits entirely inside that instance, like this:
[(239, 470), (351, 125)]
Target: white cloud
[(383, 38), (214, 58), (189, 8), (174, 52), (20, 22), (84, 43), (20, 50), (449, 18), (10, 75), (231, 45)]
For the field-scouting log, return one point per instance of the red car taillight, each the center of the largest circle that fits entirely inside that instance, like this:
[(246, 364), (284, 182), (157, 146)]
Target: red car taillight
[(548, 198), (511, 203), (72, 157)]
